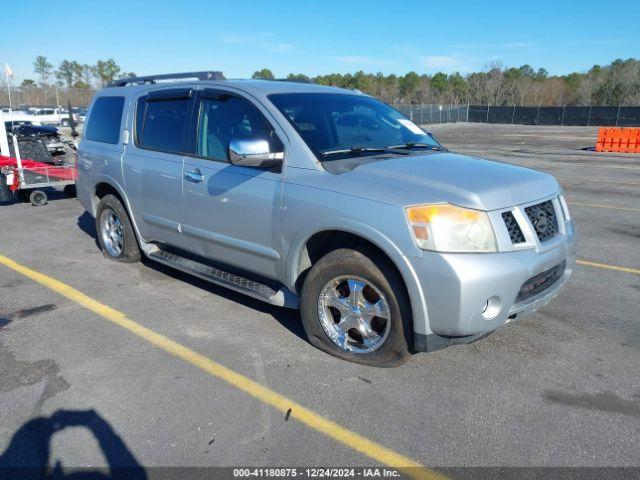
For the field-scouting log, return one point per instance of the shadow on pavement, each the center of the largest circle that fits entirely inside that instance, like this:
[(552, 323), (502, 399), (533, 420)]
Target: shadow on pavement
[(288, 318), (87, 224), (27, 456)]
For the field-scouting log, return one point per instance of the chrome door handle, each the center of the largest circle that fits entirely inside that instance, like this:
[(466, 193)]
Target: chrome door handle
[(194, 176)]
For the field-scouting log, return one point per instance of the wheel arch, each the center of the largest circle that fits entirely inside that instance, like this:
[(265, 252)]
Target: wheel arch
[(106, 185), (315, 242), (103, 186)]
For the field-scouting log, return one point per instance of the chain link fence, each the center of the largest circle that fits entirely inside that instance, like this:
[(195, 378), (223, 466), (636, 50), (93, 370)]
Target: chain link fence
[(594, 115), (422, 114)]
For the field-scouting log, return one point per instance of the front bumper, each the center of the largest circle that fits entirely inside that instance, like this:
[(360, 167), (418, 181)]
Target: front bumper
[(456, 287)]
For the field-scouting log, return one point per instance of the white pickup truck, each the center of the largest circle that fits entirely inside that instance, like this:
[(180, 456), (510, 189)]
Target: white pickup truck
[(51, 116)]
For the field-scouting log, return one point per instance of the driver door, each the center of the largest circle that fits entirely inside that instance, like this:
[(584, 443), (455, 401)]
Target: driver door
[(231, 213)]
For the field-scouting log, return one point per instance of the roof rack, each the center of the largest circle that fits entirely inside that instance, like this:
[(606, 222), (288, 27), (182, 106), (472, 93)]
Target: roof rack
[(293, 80), (167, 76)]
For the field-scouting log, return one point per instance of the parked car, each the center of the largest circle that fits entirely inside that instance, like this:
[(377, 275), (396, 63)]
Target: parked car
[(37, 142), (386, 242), (79, 114), (47, 133), (52, 116), (20, 116)]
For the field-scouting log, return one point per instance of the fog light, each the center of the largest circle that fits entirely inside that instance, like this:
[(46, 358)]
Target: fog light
[(491, 308)]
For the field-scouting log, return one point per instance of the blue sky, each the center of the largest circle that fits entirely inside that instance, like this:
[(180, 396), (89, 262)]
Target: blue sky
[(319, 37)]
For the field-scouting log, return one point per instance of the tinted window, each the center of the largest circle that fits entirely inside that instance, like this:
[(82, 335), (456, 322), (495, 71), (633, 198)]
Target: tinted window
[(328, 122), (104, 122), (225, 118), (161, 124)]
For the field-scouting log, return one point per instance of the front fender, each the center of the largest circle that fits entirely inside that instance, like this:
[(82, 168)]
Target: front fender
[(367, 232)]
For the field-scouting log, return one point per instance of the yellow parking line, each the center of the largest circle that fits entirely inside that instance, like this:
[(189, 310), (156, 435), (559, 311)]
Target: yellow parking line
[(357, 442), (608, 267), (612, 207)]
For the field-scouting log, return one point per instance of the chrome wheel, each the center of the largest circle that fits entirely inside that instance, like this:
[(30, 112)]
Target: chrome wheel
[(111, 232), (354, 314)]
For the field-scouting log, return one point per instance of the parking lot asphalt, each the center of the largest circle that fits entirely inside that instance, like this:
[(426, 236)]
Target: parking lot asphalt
[(558, 388)]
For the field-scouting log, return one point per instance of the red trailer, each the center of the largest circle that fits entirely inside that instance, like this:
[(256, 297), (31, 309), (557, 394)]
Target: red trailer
[(28, 180)]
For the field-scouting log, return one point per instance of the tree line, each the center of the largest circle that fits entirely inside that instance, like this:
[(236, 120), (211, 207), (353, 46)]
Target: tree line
[(617, 83), (73, 74)]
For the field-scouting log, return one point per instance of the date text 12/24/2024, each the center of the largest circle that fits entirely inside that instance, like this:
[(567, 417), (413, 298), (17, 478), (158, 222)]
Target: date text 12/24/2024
[(316, 472)]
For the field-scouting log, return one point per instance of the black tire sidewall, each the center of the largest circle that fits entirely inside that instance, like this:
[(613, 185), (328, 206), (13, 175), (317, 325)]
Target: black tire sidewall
[(130, 248), (38, 198), (373, 269), (70, 191), (23, 195)]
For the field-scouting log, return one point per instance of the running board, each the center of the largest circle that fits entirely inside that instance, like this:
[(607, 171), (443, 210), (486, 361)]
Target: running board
[(282, 297)]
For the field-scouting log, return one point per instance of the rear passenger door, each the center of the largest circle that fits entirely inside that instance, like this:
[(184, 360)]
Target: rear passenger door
[(232, 213), (153, 162)]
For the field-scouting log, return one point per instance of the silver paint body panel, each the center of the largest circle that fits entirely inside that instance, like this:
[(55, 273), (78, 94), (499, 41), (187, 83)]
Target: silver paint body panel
[(260, 221)]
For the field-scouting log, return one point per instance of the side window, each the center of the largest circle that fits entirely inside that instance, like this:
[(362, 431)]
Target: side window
[(104, 121), (161, 124), (226, 118)]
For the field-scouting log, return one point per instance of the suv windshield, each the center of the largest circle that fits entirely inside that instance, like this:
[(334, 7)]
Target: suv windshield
[(337, 125)]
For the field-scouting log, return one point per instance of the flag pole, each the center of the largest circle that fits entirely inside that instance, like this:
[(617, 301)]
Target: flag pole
[(9, 92), (9, 74)]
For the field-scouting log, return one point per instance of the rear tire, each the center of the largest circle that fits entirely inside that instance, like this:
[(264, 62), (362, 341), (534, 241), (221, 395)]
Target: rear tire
[(385, 341), (38, 198), (23, 195), (115, 232), (6, 195), (69, 191)]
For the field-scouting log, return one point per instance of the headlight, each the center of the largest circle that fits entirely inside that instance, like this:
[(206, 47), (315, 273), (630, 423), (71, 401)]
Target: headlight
[(447, 228)]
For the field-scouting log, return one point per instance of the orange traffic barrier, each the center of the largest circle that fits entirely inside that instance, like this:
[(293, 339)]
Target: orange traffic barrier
[(625, 140)]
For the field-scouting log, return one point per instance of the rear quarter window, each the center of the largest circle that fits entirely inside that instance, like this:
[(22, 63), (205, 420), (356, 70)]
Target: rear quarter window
[(161, 124), (105, 120)]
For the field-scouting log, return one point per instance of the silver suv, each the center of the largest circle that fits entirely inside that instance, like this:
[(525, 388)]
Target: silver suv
[(326, 200)]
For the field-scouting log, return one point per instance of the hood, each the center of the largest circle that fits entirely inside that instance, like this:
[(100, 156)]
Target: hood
[(457, 179)]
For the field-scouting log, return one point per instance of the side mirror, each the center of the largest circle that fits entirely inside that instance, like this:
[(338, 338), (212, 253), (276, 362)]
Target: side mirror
[(253, 153)]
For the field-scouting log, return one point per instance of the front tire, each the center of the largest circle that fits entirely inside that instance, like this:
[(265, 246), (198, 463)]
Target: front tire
[(355, 307), (115, 232)]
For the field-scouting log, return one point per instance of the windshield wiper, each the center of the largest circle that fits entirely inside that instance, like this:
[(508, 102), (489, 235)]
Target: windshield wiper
[(410, 145), (360, 149)]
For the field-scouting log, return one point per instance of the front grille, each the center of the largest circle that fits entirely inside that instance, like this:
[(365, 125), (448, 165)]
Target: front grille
[(539, 283), (515, 233), (544, 220)]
